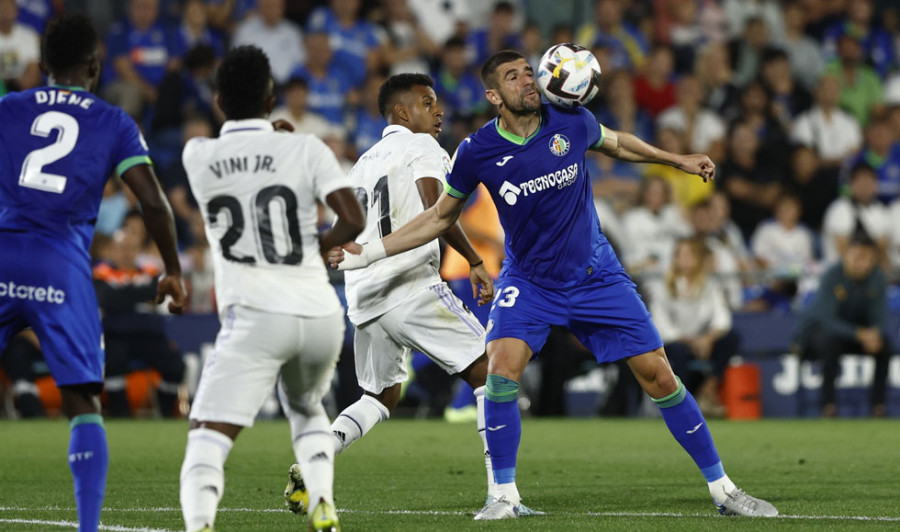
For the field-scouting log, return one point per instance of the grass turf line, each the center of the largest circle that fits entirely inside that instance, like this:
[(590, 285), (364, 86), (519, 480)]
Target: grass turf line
[(413, 475)]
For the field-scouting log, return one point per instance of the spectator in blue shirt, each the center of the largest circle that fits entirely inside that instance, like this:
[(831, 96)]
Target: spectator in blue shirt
[(369, 123), (194, 31), (349, 34), (461, 94), (140, 52), (882, 153), (36, 13), (224, 14), (627, 45), (877, 43), (328, 76), (499, 34)]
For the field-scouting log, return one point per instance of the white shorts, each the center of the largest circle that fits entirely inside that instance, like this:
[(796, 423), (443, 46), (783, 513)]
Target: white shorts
[(433, 321), (252, 348)]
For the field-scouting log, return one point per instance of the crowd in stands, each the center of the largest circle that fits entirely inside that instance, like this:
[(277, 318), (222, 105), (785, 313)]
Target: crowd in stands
[(797, 102)]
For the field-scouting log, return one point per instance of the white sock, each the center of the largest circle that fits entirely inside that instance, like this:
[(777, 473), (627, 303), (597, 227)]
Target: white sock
[(509, 490), (479, 406), (719, 489), (314, 451), (356, 421), (203, 477)]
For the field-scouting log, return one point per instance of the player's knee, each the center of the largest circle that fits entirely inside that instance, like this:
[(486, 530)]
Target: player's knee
[(306, 408)]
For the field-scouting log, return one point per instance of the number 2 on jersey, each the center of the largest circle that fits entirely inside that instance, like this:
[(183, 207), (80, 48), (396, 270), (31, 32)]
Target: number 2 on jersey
[(263, 215), (33, 175), (380, 194)]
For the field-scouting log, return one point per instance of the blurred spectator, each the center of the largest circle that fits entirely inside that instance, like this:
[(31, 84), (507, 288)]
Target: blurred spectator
[(280, 39), (37, 13), (849, 316), (805, 54), (713, 71), (704, 129), (651, 230), (441, 19), (20, 50), (747, 51), (894, 240), (295, 111), (817, 186), (877, 45), (532, 46), (114, 205), (788, 98), (361, 41), (686, 25), (881, 152), (140, 51), (329, 78), (727, 233), (223, 14), (197, 265), (751, 185), (621, 111), (627, 45), (500, 34), (692, 315), (654, 90), (861, 210), (860, 89), (194, 31), (131, 328), (740, 12), (686, 191), (21, 361), (830, 131), (459, 90), (783, 245), (725, 260), (336, 139), (407, 47), (368, 124), (148, 255), (175, 182), (756, 111)]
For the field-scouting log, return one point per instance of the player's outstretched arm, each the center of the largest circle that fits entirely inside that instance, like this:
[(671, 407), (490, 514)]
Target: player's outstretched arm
[(350, 222), (430, 190), (420, 230), (628, 147), (161, 226)]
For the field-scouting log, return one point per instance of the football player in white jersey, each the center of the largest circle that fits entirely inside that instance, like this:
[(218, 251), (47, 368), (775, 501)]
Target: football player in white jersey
[(257, 190), (401, 303)]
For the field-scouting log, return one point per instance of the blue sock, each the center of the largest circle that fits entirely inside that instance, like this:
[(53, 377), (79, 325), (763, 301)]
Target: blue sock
[(88, 460), (463, 397), (686, 423), (503, 425)]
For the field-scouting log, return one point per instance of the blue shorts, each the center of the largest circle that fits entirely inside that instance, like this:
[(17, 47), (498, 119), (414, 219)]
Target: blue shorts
[(605, 313), (53, 293)]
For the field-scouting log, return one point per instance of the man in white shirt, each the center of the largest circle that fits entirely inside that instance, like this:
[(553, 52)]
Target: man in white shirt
[(20, 50), (280, 39), (860, 210), (831, 132), (704, 130), (281, 319), (296, 112)]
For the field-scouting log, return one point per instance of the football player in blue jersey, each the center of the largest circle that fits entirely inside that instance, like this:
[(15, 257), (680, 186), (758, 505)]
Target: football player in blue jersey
[(560, 268), (58, 146)]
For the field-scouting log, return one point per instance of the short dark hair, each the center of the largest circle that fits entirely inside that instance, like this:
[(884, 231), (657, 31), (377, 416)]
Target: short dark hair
[(243, 81), (397, 84), (201, 55), (862, 167), (493, 62), (69, 41)]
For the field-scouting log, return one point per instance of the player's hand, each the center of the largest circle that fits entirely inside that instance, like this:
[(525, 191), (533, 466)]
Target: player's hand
[(479, 275), (698, 164), (283, 125), (172, 286)]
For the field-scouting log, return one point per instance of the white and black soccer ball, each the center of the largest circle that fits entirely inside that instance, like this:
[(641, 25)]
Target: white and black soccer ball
[(568, 74)]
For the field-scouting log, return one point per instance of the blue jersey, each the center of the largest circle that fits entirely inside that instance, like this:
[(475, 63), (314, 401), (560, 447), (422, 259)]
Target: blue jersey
[(542, 191), (58, 147)]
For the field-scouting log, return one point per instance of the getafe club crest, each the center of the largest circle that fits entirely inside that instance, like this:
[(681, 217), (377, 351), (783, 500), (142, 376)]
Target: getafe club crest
[(559, 145)]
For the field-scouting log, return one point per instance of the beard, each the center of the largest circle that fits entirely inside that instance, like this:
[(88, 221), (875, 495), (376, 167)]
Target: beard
[(521, 108)]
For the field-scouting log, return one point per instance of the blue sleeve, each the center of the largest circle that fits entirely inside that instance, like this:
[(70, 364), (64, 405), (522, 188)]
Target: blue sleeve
[(593, 130), (117, 41), (132, 148), (462, 181)]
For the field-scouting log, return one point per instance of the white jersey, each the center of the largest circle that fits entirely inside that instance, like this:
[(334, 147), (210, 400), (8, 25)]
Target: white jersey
[(257, 191), (385, 180)]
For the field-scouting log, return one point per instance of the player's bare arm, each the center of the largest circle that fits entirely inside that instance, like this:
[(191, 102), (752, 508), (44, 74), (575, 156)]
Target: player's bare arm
[(429, 191), (161, 226), (424, 228), (628, 147), (350, 223)]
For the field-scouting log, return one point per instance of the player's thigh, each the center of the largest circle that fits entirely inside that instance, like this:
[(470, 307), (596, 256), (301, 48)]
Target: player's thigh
[(435, 322), (380, 360), (242, 370), (524, 311), (610, 318), (307, 375)]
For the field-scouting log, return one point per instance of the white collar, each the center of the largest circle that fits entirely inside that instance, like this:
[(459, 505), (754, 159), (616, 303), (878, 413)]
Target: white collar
[(394, 128), (250, 124)]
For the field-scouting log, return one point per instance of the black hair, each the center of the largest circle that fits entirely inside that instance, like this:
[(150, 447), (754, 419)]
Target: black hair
[(773, 54), (861, 237), (504, 7), (69, 41), (397, 84), (862, 166), (201, 55), (493, 62), (244, 81), (455, 42)]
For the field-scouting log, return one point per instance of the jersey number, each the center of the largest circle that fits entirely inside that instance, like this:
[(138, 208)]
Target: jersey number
[(510, 293), (263, 215), (33, 175), (380, 194)]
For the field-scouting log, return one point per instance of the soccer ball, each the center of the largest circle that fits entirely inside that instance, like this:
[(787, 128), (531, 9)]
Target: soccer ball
[(568, 74)]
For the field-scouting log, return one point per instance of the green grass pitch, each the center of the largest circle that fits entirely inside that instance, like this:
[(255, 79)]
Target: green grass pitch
[(594, 474)]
